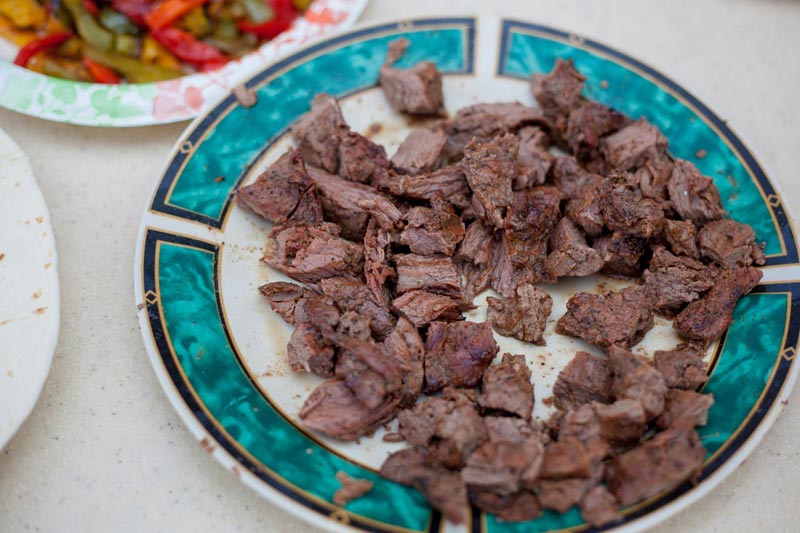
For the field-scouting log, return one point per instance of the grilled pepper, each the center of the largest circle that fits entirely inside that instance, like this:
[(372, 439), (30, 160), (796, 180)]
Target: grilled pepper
[(88, 28), (23, 14), (187, 48), (168, 12), (134, 70), (40, 45), (100, 73)]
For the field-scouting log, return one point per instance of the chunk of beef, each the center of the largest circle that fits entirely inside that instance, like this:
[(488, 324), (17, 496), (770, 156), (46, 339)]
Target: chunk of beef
[(558, 93), (528, 225), (673, 281), (572, 458), (599, 507), (502, 467), (457, 354), (571, 179), (352, 324), (334, 410), (509, 429), (340, 199), (583, 425), (524, 316), (622, 422), (432, 273), (621, 254), (432, 231), (490, 169), (518, 507), (570, 255), (318, 133), (533, 159), (621, 317), (685, 407), (484, 122), (652, 178), (422, 151), (311, 253), (284, 192), (560, 90), (683, 367), (681, 235), (693, 196), (474, 258), (422, 307), (586, 211), (384, 211), (560, 494), (708, 318), (443, 488), (585, 379), (588, 123), (634, 379), (625, 210), (634, 145), (659, 464), (505, 277), (507, 387), (447, 427), (352, 295), (360, 159), (416, 90), (310, 351), (408, 350), (368, 372), (351, 488), (283, 298), (730, 243), (448, 181), (377, 270)]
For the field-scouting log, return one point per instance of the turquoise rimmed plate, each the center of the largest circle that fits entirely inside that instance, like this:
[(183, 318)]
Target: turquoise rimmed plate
[(219, 351)]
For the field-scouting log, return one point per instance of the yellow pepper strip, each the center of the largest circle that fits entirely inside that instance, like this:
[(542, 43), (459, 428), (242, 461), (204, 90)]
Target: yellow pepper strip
[(195, 22), (24, 14), (155, 54), (72, 48), (16, 36), (36, 63)]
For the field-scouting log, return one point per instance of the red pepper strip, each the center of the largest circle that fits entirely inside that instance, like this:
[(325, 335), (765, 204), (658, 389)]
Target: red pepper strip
[(91, 7), (133, 9), (284, 12), (269, 29), (168, 12), (281, 8), (100, 73), (187, 48), (40, 45)]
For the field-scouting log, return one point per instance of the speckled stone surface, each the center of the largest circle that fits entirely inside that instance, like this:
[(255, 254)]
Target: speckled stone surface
[(104, 450)]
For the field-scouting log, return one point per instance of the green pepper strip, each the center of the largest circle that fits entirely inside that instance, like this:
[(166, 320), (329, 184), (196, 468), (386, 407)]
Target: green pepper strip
[(134, 70), (258, 11), (88, 28), (117, 22)]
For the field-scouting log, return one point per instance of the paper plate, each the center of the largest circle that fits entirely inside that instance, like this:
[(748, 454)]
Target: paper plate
[(142, 104)]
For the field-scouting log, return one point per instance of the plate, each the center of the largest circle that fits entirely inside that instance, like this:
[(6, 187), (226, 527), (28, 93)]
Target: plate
[(29, 308), (142, 104), (219, 351)]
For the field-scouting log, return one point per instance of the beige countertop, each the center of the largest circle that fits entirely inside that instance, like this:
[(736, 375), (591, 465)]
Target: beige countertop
[(105, 451)]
